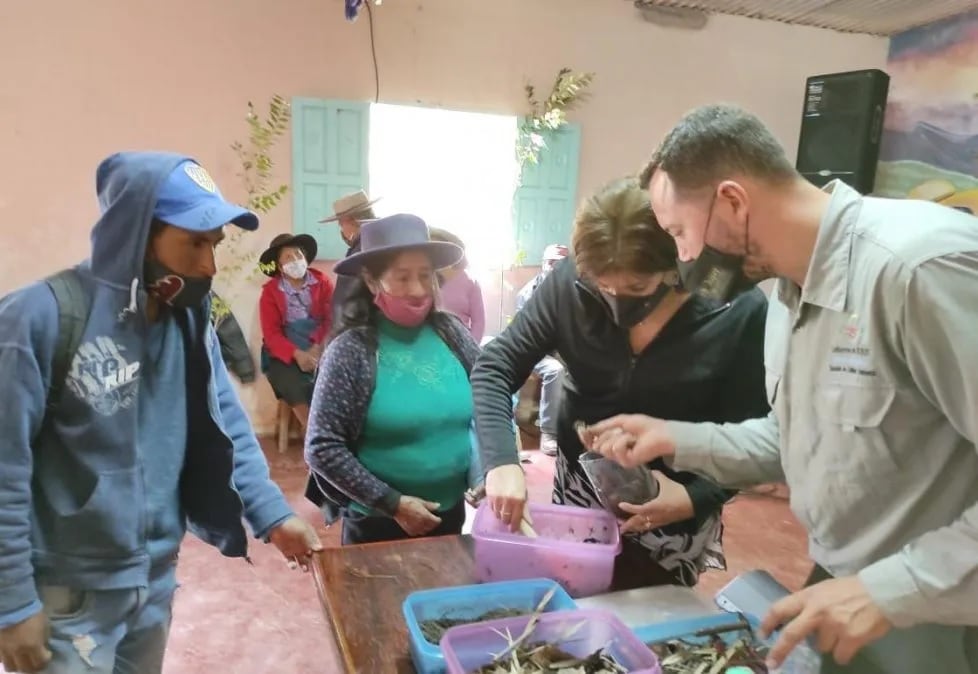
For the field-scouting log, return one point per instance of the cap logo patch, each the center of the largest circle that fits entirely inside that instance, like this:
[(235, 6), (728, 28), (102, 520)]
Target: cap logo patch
[(199, 175)]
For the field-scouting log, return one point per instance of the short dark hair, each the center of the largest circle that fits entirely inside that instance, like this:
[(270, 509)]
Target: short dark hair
[(714, 142), (616, 231)]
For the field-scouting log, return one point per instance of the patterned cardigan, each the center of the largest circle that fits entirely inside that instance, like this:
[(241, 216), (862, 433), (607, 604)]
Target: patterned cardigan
[(344, 386)]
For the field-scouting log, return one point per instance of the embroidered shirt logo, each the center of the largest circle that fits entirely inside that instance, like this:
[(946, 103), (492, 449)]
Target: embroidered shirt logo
[(852, 331), (102, 377), (851, 354)]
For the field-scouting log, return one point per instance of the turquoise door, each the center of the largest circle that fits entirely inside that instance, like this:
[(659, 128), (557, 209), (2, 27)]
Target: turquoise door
[(545, 202), (329, 159)]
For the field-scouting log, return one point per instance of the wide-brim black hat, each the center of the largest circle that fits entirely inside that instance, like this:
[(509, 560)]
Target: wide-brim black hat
[(269, 259), (394, 234)]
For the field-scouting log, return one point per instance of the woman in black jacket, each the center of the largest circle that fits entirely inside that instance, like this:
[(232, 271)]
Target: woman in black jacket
[(632, 342)]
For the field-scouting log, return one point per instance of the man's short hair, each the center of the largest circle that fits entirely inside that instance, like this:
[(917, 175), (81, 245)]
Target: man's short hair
[(715, 142)]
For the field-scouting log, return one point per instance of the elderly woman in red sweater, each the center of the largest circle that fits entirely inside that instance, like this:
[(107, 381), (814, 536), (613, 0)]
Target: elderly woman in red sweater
[(295, 310)]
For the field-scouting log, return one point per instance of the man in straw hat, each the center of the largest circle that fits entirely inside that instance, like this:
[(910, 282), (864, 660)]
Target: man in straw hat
[(349, 211)]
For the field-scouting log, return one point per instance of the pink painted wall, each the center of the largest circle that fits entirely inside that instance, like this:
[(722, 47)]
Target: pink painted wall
[(81, 80)]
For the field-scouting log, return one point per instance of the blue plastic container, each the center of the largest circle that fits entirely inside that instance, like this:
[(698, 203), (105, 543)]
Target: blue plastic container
[(579, 633), (803, 660), (472, 601)]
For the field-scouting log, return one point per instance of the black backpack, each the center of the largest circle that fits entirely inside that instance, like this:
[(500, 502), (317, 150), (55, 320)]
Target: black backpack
[(74, 305)]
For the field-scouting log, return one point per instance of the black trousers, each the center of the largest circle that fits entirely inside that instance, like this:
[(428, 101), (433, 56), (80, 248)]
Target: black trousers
[(359, 528), (926, 649)]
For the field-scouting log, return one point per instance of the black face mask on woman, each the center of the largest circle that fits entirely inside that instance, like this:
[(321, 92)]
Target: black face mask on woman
[(627, 311)]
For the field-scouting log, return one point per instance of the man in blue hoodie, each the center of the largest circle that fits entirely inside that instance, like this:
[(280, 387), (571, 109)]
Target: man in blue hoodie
[(148, 437)]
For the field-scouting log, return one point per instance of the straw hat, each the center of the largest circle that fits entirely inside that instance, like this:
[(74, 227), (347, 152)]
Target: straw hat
[(394, 234), (350, 204)]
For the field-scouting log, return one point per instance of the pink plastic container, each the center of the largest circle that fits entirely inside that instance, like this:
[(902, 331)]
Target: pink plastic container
[(560, 553), (468, 648)]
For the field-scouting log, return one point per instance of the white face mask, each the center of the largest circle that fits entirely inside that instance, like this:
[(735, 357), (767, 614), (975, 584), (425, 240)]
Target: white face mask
[(295, 269)]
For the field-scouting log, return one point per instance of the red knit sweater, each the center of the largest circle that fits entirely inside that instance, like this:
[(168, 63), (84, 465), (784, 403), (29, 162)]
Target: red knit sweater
[(271, 310)]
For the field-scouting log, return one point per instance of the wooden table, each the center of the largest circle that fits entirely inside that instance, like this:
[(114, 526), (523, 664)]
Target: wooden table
[(362, 587)]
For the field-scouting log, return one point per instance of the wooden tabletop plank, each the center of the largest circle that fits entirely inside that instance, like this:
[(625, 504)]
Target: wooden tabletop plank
[(362, 587)]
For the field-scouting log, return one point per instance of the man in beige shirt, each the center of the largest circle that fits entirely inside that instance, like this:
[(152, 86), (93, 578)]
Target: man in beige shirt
[(872, 373)]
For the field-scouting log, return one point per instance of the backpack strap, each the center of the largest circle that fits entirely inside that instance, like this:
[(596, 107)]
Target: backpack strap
[(74, 305)]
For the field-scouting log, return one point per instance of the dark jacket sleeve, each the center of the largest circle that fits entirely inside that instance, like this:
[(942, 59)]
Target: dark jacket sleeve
[(742, 395), (503, 367), (234, 349), (744, 392), (344, 385)]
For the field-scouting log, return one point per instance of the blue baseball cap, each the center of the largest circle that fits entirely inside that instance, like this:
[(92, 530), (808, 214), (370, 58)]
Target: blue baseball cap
[(189, 199)]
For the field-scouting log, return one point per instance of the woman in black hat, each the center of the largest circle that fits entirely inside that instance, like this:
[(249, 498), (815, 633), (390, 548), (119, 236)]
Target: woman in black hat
[(389, 439), (295, 310)]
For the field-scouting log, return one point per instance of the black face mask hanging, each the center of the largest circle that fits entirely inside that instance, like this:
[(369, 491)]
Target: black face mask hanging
[(627, 311), (715, 275), (181, 292)]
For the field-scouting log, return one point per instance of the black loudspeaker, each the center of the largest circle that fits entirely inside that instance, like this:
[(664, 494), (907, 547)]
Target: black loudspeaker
[(841, 125)]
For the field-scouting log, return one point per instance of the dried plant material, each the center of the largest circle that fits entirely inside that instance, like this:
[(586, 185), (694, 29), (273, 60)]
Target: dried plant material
[(530, 626), (524, 657), (712, 651), (433, 630), (539, 658)]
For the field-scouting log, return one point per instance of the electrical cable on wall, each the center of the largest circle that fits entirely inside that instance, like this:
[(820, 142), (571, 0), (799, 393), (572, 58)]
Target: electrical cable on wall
[(373, 51), (351, 11)]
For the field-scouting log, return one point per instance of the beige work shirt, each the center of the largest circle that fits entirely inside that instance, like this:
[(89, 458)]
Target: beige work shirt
[(872, 372)]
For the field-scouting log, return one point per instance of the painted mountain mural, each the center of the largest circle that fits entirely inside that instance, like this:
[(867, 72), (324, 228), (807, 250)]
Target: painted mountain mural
[(929, 148)]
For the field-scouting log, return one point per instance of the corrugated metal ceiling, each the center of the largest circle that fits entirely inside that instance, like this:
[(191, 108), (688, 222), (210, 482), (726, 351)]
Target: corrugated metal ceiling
[(875, 17)]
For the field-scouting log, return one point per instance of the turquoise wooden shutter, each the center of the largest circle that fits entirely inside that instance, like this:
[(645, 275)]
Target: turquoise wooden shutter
[(545, 202), (329, 159)]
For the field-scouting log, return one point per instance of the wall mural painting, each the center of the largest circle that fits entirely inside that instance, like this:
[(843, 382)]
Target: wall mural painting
[(929, 148)]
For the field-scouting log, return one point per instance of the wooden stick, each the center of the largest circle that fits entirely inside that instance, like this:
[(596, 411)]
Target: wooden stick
[(527, 529)]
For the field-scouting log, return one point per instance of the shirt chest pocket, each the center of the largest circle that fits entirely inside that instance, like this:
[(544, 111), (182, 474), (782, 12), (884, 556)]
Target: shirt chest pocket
[(851, 430)]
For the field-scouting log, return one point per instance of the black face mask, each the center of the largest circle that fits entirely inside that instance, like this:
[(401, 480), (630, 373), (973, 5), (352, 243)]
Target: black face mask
[(627, 311), (180, 292), (715, 275)]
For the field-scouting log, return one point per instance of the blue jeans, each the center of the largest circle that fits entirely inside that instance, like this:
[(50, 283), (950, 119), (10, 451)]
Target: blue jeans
[(109, 631), (551, 373)]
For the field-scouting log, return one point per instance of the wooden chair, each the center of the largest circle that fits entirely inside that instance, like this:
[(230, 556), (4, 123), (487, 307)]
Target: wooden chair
[(283, 426)]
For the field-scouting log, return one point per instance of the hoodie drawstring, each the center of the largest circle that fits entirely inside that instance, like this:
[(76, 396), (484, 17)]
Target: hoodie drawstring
[(131, 309)]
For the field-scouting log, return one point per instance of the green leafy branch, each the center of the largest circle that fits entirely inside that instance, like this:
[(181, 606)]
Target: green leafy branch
[(569, 90), (255, 157), (256, 174)]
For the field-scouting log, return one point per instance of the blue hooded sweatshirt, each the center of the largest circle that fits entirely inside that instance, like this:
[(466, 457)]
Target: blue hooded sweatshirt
[(73, 499)]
